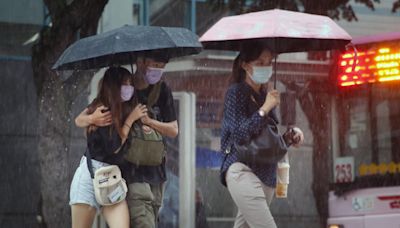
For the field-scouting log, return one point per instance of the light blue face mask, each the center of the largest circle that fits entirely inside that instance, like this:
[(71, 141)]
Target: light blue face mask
[(261, 75)]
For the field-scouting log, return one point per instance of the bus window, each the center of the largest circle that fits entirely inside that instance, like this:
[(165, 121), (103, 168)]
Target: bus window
[(369, 126), (354, 129)]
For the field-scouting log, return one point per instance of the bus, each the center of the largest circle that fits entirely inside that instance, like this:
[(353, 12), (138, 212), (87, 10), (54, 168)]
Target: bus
[(365, 191)]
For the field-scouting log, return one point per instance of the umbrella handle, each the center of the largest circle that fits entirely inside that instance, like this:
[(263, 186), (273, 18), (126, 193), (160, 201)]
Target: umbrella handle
[(275, 76), (130, 59)]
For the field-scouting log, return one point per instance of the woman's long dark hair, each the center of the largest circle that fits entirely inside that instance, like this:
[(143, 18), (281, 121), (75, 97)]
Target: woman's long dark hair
[(248, 52), (109, 95)]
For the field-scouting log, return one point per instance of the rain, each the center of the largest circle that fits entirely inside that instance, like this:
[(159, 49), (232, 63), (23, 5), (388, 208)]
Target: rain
[(342, 91)]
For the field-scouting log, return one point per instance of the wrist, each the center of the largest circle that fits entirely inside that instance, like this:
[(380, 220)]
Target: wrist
[(90, 120), (129, 122), (266, 108), (131, 119), (262, 113), (149, 122)]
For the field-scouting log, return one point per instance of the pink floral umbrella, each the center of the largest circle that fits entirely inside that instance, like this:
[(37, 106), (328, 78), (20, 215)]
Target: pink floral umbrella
[(280, 30)]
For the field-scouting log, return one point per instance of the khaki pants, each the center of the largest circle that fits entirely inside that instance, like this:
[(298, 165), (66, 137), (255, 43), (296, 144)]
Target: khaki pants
[(144, 201), (251, 196)]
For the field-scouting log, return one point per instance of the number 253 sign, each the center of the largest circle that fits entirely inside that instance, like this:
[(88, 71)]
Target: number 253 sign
[(344, 169)]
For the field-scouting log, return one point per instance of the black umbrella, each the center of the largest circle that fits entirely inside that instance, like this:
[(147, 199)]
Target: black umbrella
[(122, 45)]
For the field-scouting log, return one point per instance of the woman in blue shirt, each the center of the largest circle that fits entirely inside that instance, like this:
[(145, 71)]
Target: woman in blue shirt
[(246, 108)]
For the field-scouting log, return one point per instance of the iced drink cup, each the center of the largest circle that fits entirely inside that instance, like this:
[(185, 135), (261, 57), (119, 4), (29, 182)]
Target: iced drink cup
[(282, 180)]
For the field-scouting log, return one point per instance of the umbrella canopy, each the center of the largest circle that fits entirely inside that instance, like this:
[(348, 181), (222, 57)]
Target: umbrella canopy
[(121, 46), (280, 30)]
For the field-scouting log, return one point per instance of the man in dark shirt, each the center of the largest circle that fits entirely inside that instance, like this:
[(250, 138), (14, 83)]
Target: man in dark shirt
[(146, 183)]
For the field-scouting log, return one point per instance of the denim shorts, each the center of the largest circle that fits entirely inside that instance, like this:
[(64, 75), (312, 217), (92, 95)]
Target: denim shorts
[(82, 190)]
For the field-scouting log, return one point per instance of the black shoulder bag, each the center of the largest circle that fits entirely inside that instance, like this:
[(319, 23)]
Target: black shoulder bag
[(264, 148)]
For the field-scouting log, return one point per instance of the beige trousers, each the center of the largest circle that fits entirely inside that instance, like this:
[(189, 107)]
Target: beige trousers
[(251, 196)]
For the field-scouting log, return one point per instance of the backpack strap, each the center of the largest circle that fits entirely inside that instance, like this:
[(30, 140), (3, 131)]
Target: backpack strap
[(89, 163), (154, 94)]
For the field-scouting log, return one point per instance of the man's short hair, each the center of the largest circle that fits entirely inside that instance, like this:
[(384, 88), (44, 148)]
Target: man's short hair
[(158, 56)]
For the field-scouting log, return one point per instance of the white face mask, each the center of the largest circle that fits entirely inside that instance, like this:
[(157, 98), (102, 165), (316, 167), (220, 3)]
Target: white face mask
[(261, 75)]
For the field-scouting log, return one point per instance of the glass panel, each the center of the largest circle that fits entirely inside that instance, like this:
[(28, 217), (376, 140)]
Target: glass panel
[(354, 130), (369, 128), (384, 132), (169, 215)]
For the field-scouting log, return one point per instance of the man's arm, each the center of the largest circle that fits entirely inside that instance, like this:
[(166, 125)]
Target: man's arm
[(169, 129), (101, 117)]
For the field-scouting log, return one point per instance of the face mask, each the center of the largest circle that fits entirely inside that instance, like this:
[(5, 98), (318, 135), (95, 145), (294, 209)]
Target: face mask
[(153, 75), (126, 92), (261, 75)]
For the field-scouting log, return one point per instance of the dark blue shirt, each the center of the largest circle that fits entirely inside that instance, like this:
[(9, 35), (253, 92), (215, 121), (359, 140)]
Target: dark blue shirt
[(241, 121)]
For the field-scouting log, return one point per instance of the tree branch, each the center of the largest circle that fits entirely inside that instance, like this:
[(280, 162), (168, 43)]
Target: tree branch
[(67, 20), (56, 8), (92, 19), (84, 11)]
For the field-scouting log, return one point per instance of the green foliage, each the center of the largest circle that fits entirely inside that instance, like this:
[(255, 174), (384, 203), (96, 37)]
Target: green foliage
[(335, 9)]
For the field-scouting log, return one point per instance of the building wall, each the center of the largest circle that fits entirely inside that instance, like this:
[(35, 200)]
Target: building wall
[(20, 178), (116, 14), (22, 12)]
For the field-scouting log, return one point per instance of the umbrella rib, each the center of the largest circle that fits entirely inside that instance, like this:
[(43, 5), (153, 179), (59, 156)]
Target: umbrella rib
[(162, 28)]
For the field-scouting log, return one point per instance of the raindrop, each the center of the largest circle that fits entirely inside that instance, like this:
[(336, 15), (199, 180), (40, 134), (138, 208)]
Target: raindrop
[(39, 219), (117, 37)]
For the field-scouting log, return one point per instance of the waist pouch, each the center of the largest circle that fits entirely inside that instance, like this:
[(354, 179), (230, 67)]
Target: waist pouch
[(109, 186)]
